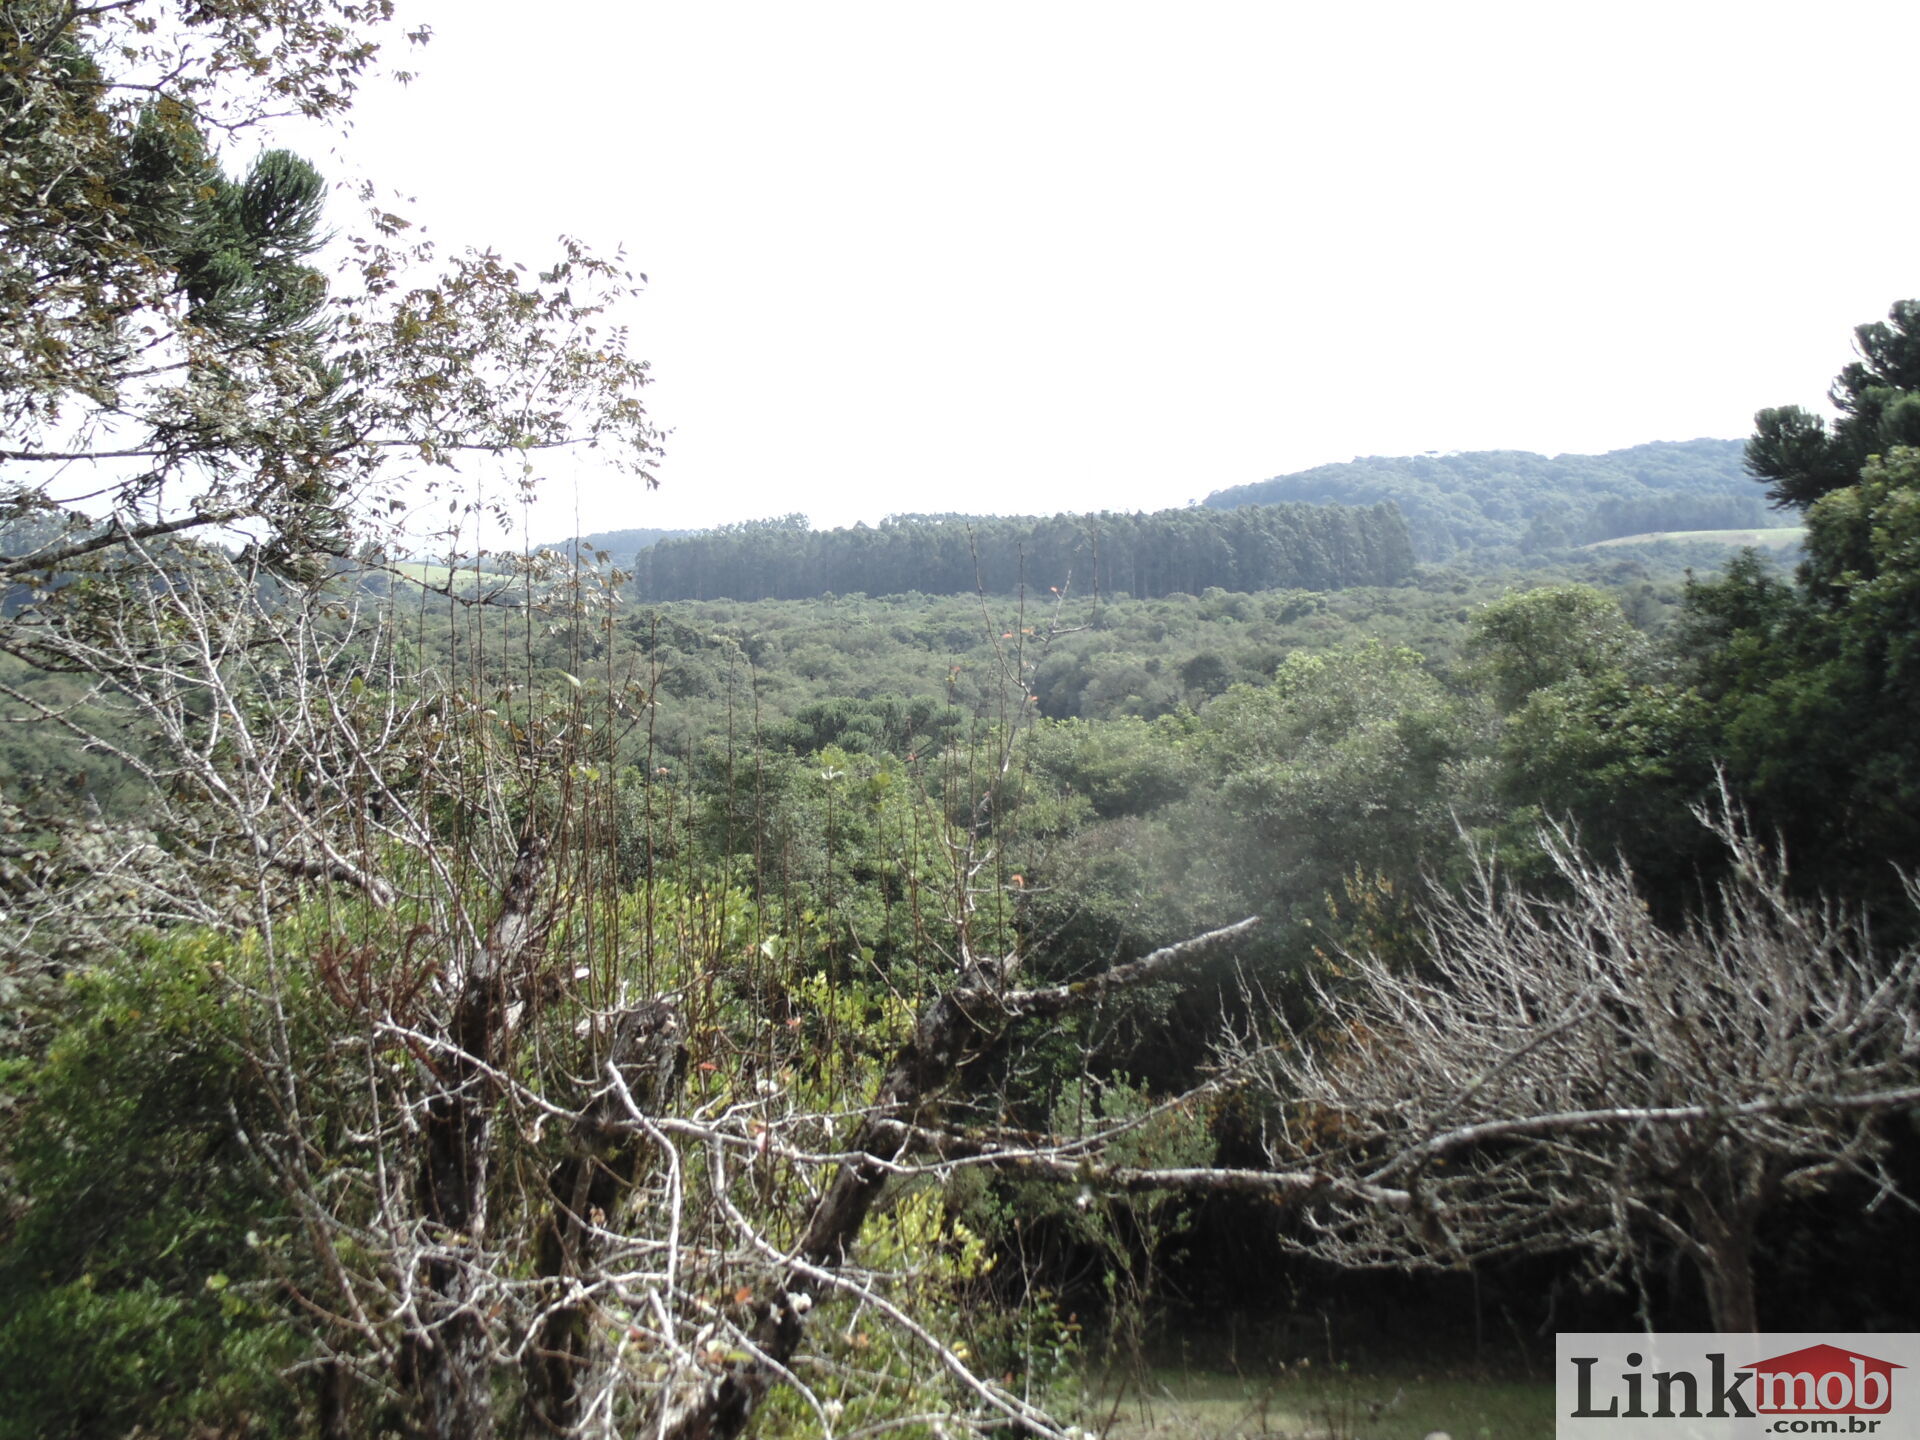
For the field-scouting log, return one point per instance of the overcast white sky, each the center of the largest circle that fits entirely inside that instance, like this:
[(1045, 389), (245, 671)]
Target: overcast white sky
[(1040, 256)]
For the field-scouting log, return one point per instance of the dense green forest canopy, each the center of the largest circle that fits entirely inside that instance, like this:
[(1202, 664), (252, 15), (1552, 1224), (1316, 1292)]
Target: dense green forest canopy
[(1316, 547), (1491, 502), (1087, 657)]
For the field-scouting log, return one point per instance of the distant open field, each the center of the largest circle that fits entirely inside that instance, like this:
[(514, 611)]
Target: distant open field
[(424, 573), (438, 577), (1775, 539)]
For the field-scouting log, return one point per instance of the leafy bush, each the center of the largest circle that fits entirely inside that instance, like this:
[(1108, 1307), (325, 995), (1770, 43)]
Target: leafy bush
[(138, 1281)]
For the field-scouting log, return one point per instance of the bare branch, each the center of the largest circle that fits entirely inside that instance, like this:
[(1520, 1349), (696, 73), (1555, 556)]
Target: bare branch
[(1162, 963), (1569, 1074)]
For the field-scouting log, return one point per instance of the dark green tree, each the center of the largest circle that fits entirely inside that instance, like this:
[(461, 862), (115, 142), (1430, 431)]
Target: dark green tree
[(1801, 690), (1816, 686), (1878, 397)]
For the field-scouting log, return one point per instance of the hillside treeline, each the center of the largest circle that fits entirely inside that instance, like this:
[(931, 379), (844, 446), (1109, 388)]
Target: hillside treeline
[(1264, 547), (1487, 501)]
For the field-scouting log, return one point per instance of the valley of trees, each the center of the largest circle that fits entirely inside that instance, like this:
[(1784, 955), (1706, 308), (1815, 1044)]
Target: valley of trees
[(440, 1011)]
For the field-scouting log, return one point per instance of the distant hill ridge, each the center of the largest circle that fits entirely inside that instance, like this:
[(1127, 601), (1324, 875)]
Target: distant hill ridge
[(1490, 500), (620, 545)]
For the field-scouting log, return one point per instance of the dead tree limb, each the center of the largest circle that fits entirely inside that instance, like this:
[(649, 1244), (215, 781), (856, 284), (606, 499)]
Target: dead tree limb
[(954, 1025)]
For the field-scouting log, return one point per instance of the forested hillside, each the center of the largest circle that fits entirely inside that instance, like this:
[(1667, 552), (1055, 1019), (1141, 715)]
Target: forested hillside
[(1263, 547), (1488, 501)]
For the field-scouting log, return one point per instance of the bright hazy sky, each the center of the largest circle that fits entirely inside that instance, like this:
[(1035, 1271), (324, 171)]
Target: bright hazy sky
[(1041, 256)]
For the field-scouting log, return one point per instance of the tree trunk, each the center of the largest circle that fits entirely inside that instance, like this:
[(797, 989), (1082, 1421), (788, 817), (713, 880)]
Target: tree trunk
[(649, 1053), (1728, 1272), (1723, 1236), (333, 1403), (447, 1362)]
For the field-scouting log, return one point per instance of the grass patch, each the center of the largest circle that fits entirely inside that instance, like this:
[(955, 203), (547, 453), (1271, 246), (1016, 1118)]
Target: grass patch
[(460, 580), (437, 576), (1771, 539), (1302, 1402)]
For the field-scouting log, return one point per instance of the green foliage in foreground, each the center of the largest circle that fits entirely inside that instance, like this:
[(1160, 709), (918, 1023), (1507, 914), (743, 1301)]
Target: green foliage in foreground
[(140, 1289)]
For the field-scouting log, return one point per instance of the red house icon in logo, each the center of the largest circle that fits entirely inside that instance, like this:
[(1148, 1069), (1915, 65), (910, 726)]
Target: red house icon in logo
[(1823, 1380)]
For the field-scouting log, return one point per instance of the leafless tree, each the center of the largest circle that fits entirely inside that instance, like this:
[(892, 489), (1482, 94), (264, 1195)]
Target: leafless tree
[(1567, 1073)]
